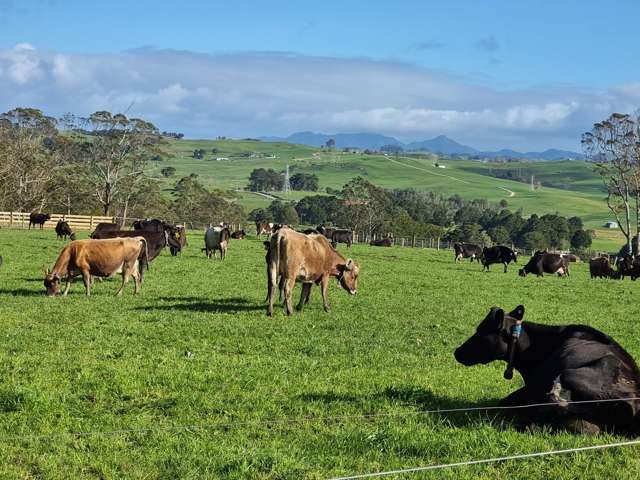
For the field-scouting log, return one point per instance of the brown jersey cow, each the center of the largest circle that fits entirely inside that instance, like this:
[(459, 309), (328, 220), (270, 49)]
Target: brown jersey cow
[(309, 259), (99, 258)]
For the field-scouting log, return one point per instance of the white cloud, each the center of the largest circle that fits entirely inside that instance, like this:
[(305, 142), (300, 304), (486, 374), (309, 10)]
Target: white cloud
[(22, 63), (264, 94)]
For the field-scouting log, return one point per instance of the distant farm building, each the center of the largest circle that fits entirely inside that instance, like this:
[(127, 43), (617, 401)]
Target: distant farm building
[(611, 224)]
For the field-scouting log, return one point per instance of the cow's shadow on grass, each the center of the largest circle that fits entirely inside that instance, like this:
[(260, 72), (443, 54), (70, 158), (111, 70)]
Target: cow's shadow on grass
[(22, 292), (196, 304), (457, 411), (465, 412)]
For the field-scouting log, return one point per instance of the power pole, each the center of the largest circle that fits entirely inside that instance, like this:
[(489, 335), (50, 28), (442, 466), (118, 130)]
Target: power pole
[(532, 186), (286, 187)]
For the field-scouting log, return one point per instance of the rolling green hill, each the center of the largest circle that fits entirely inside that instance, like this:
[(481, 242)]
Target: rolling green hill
[(573, 190)]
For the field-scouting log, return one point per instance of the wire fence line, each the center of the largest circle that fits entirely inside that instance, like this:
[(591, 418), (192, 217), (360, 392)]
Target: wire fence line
[(300, 419), (489, 460)]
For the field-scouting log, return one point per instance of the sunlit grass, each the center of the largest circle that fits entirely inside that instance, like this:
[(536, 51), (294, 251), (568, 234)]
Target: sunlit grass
[(196, 348)]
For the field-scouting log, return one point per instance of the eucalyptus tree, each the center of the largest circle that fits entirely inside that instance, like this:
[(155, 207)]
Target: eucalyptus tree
[(116, 150), (613, 145), (28, 159)]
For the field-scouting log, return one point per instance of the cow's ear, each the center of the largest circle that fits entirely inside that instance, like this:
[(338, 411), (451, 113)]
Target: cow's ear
[(349, 265), (518, 312)]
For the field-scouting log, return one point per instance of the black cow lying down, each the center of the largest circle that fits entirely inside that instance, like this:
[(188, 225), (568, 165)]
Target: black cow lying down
[(560, 364)]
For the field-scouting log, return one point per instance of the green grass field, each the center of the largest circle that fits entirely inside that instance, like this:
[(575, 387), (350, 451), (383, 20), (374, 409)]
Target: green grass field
[(576, 189), (183, 380)]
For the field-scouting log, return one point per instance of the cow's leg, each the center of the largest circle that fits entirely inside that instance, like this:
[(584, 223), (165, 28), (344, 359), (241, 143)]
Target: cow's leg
[(86, 279), (324, 288), (272, 275), (588, 383), (304, 295), (126, 273), (281, 290), (68, 285), (289, 284), (505, 267), (137, 278), (522, 396)]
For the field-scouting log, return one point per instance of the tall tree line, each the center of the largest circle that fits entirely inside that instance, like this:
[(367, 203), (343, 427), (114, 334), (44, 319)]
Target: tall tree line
[(96, 165)]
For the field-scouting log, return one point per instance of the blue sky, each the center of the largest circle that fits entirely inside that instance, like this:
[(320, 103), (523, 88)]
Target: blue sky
[(491, 73)]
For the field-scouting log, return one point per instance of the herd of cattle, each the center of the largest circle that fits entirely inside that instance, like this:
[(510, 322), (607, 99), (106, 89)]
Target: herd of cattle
[(559, 364), (307, 257), (542, 262)]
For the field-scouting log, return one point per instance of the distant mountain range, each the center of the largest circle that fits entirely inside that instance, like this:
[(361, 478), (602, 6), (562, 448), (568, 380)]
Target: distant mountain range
[(441, 144)]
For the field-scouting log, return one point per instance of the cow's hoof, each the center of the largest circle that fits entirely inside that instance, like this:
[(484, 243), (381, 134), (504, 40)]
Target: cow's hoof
[(581, 426)]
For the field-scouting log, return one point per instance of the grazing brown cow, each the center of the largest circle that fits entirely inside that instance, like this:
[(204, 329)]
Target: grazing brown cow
[(99, 258), (156, 241), (307, 259), (239, 235)]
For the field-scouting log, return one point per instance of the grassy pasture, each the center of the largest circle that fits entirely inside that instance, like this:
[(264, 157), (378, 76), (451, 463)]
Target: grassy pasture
[(196, 348), (576, 190)]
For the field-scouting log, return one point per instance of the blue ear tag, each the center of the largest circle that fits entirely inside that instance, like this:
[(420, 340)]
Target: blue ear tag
[(516, 330)]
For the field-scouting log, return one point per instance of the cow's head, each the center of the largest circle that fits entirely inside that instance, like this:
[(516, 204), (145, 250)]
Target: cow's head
[(52, 282), (72, 237), (514, 256), (172, 238), (348, 277), (491, 340), (529, 267)]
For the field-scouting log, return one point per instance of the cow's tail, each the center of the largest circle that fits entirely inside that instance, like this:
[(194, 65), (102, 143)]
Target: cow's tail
[(144, 256), (273, 269)]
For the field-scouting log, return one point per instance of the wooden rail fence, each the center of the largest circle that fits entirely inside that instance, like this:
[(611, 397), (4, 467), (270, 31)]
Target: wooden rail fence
[(76, 222)]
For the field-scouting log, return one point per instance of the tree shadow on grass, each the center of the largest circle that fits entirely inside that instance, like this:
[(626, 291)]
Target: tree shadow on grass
[(194, 304)]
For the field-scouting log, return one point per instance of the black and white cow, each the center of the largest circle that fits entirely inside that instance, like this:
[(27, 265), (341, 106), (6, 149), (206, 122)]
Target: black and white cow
[(467, 250), (498, 254)]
